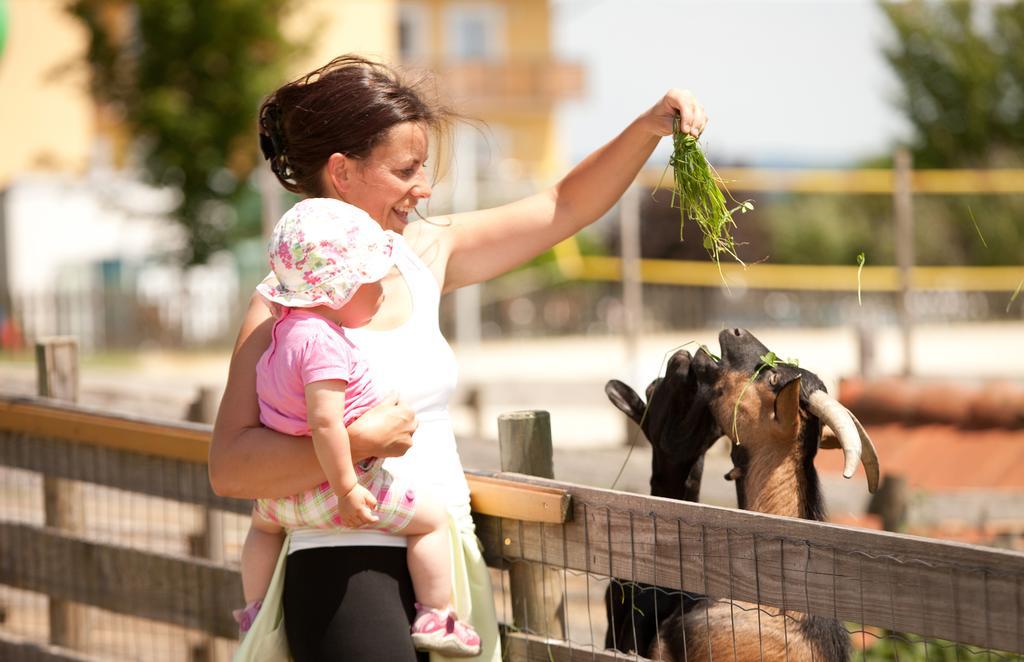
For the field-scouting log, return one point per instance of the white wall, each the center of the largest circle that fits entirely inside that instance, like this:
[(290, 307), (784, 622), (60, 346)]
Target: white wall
[(55, 223), (59, 228)]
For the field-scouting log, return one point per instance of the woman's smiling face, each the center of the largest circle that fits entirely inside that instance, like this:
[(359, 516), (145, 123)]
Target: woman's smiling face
[(390, 182)]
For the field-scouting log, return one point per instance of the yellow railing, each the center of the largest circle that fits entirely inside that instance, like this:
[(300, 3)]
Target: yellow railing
[(858, 181), (797, 276), (572, 264)]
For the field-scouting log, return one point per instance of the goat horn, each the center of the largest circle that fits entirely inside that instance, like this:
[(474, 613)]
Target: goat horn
[(868, 456), (840, 420)]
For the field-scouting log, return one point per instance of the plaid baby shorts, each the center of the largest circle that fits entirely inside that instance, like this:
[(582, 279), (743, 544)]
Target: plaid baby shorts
[(317, 508)]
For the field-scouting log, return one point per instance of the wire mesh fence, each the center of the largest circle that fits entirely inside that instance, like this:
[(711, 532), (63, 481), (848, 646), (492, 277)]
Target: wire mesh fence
[(694, 582), (112, 546), (114, 554), (118, 318), (598, 308)]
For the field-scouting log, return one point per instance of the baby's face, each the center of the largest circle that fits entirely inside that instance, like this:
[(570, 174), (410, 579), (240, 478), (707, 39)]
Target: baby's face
[(363, 305)]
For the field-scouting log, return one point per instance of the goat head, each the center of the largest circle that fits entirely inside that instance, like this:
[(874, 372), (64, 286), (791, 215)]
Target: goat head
[(677, 423), (758, 399)]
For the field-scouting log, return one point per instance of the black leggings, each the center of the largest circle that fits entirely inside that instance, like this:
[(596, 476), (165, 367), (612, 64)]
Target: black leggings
[(349, 603)]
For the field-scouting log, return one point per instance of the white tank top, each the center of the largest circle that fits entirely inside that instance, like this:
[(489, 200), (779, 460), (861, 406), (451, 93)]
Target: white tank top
[(415, 361)]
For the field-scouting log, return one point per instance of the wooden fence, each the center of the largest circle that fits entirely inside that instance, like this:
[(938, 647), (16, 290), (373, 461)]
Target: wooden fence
[(539, 536), (955, 592)]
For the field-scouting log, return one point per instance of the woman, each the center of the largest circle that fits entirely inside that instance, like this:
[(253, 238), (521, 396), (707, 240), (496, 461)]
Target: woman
[(353, 131)]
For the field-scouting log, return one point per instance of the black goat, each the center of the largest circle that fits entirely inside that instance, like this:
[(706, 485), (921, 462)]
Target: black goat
[(775, 415)]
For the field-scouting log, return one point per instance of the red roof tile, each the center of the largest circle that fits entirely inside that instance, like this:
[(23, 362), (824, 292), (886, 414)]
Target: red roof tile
[(943, 457), (978, 405)]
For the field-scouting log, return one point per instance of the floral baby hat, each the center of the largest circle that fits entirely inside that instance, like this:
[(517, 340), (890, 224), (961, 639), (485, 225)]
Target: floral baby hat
[(321, 251)]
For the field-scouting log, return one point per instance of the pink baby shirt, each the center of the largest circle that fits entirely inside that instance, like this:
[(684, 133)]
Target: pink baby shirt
[(307, 348)]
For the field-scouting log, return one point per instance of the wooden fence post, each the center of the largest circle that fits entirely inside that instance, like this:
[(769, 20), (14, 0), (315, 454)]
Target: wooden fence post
[(57, 377), (866, 350), (538, 606), (890, 502), (208, 542)]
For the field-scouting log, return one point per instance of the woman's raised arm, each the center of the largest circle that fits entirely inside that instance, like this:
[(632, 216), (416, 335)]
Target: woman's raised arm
[(490, 242), (250, 461)]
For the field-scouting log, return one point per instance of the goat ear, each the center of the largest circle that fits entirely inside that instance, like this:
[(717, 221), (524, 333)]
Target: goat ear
[(787, 407), (625, 399)]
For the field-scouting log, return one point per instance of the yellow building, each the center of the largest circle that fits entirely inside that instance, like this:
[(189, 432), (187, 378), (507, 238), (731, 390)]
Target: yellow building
[(496, 62), (493, 58), (47, 120)]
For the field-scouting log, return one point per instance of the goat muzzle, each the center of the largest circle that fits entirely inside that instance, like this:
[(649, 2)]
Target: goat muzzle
[(853, 439)]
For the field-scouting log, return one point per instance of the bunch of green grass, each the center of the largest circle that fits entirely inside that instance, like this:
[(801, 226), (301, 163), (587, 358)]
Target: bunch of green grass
[(698, 194)]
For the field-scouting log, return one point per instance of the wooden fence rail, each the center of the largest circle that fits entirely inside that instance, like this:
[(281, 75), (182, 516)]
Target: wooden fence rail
[(957, 592)]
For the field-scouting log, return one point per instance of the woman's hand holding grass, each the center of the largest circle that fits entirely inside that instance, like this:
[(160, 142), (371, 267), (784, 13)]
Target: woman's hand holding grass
[(680, 104)]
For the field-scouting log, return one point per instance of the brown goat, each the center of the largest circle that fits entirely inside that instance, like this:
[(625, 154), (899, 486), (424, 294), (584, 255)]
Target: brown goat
[(774, 414)]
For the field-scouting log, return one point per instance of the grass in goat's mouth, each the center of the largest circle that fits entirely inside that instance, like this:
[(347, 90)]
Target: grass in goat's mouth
[(698, 193)]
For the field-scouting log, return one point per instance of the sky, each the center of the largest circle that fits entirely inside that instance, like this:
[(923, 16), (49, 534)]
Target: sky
[(785, 83)]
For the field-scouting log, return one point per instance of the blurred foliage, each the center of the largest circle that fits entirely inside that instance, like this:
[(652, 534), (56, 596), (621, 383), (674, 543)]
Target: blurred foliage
[(834, 228), (960, 66), (828, 229), (911, 648), (186, 78), (3, 25)]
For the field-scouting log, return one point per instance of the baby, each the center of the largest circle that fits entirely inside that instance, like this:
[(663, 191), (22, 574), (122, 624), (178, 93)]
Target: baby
[(329, 258)]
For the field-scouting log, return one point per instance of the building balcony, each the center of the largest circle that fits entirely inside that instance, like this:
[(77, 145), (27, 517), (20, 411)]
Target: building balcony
[(480, 86)]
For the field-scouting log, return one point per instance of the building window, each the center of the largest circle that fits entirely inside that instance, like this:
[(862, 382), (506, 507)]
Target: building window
[(475, 31), (413, 32)]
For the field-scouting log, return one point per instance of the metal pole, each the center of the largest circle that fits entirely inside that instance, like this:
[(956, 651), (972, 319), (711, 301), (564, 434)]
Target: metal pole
[(632, 291), (632, 284), (465, 198), (903, 207)]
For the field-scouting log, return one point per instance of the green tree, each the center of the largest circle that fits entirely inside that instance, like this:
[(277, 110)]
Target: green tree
[(961, 67), (187, 77), (3, 25)]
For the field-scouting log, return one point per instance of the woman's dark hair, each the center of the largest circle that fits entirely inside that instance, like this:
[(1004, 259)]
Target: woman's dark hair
[(347, 106)]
